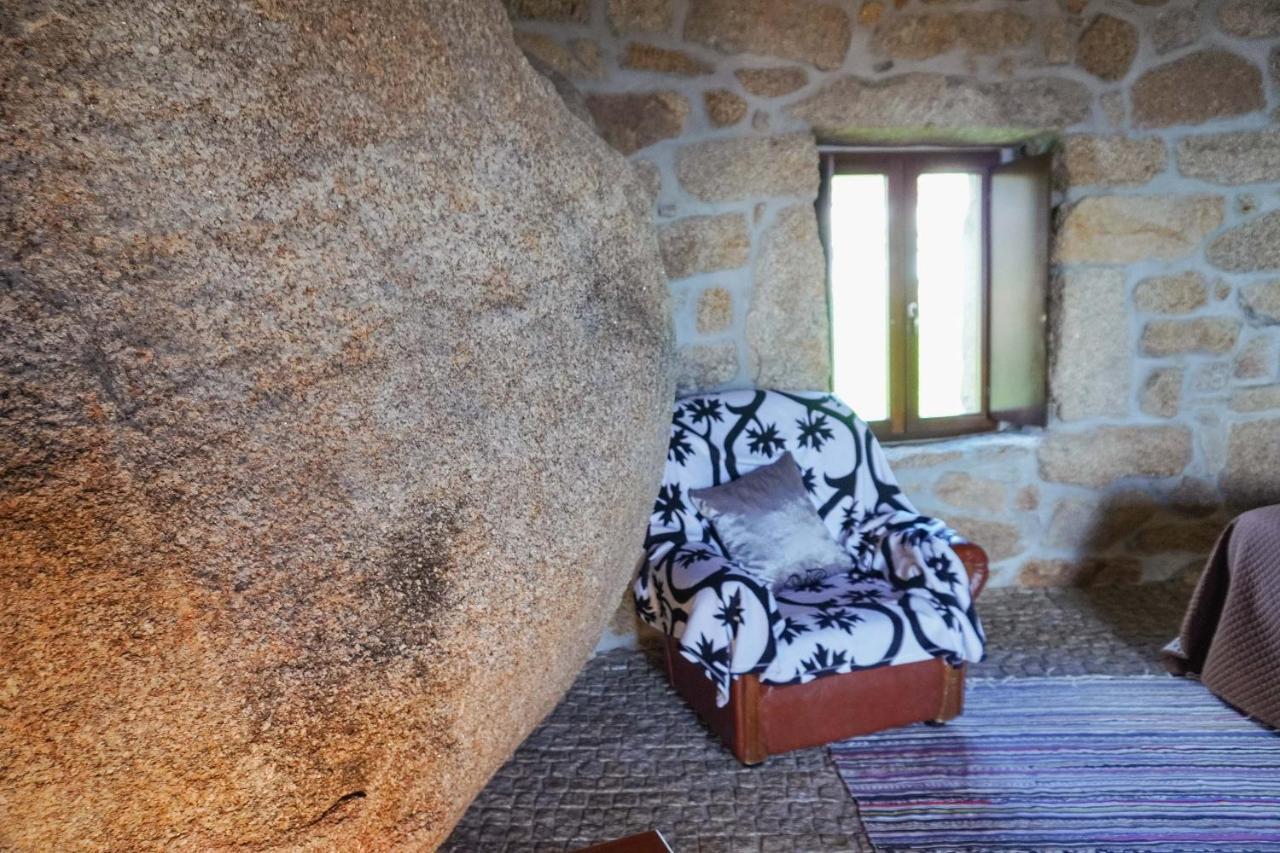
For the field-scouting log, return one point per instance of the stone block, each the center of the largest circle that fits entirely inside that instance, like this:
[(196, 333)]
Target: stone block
[(723, 107), (579, 61), (698, 244), (649, 57), (1259, 398), (870, 13), (999, 539), (641, 16), (632, 121), (1250, 18), (1210, 378), (1093, 356), (1215, 335), (907, 457), (928, 34), (788, 329), (1109, 161), (1253, 458), (1197, 88), (1103, 455), (1197, 537), (927, 106), (1243, 157), (802, 30), (1175, 28), (715, 310), (736, 169), (970, 492), (1107, 47), (1095, 524), (771, 82), (1181, 293), (573, 11), (1086, 572), (1059, 41), (650, 177), (1256, 360), (1260, 302), (1027, 499), (705, 367), (1125, 229), (1162, 392), (1250, 247)]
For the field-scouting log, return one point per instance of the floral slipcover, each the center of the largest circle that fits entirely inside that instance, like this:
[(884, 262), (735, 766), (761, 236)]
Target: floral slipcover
[(904, 598)]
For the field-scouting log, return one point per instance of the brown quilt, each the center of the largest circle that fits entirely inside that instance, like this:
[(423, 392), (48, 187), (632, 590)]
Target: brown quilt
[(1231, 633)]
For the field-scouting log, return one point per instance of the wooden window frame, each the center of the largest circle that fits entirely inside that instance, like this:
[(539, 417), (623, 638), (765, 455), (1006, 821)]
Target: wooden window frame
[(902, 169)]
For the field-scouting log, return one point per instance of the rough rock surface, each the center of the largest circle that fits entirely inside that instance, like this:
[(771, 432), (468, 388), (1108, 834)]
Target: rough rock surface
[(1092, 363), (715, 310), (703, 366), (932, 33), (332, 414), (1253, 457), (1109, 161), (1107, 47), (1231, 158), (1087, 572), (1162, 392), (698, 244), (1261, 303), (580, 60), (733, 169), (771, 82), (928, 106), (1180, 293), (1103, 455), (802, 30), (1125, 229), (1198, 87), (1250, 18), (636, 120), (649, 57), (1255, 245), (641, 16), (1203, 335), (724, 107), (787, 325)]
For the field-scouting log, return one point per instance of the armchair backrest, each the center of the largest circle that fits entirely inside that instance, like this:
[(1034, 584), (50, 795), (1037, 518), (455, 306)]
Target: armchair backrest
[(719, 437)]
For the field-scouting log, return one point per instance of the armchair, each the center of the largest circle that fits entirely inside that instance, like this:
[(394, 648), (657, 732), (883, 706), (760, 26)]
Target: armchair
[(883, 644)]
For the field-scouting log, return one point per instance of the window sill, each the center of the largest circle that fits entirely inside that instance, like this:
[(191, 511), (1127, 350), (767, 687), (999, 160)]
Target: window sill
[(993, 439)]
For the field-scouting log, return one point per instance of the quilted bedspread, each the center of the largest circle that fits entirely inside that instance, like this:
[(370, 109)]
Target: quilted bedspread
[(904, 598), (1231, 633)]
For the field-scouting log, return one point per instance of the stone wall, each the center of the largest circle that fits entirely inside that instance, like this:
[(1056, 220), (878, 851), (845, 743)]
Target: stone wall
[(1166, 293)]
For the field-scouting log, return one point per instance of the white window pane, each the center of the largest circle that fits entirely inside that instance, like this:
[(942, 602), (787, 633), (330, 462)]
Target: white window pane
[(860, 293), (949, 293)]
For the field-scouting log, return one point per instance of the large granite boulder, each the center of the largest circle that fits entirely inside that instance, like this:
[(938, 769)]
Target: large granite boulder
[(336, 379)]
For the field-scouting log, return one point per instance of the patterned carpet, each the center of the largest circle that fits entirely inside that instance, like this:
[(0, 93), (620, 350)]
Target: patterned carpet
[(1150, 763), (623, 754)]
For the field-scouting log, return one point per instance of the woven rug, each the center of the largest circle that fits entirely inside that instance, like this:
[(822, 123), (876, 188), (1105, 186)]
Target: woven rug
[(1112, 764)]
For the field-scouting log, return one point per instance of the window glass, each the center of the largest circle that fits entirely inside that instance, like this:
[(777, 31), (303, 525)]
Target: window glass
[(859, 230), (949, 294)]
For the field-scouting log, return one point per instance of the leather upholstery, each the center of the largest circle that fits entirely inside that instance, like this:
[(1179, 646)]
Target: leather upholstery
[(764, 719)]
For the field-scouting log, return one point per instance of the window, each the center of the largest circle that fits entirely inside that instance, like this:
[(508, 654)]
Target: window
[(937, 328)]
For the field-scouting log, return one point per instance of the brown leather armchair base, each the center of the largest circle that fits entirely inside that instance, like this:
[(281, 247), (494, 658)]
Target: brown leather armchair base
[(766, 719)]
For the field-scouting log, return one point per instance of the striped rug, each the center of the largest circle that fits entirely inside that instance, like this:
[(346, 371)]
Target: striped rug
[(1132, 764)]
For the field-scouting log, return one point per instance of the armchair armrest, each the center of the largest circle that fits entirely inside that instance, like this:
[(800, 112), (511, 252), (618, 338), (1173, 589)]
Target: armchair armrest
[(975, 564), (724, 618)]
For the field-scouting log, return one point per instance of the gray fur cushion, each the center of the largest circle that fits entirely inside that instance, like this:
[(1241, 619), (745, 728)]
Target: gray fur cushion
[(767, 522)]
